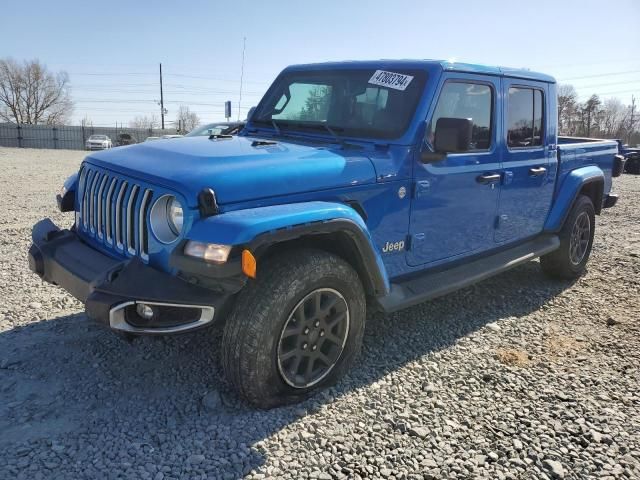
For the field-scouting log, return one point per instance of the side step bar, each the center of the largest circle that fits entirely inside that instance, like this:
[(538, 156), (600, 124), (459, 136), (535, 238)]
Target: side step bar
[(431, 285)]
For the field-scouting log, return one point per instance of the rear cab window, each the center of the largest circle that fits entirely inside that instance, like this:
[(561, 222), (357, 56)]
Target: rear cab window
[(525, 113)]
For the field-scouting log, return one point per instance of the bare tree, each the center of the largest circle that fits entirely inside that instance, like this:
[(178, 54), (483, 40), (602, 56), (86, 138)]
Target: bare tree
[(590, 114), (31, 94), (567, 108), (86, 121), (186, 120), (143, 121), (632, 123), (613, 118)]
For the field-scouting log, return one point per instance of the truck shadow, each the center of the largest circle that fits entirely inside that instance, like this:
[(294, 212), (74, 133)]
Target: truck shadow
[(69, 382)]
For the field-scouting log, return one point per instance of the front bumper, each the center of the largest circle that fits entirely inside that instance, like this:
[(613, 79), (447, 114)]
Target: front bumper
[(111, 288)]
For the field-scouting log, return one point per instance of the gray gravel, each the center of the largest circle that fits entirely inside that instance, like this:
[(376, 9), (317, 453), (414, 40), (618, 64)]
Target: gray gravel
[(517, 377)]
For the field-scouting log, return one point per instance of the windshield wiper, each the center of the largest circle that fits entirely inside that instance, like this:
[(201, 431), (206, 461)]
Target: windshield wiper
[(332, 131), (335, 136), (275, 126)]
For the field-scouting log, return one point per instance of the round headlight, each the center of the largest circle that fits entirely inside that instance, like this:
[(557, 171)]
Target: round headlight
[(174, 215), (166, 218)]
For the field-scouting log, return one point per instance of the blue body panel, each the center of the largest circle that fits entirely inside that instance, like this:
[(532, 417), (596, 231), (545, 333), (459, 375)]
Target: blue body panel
[(525, 200), (571, 184), (235, 169), (437, 212), (242, 226), (451, 214)]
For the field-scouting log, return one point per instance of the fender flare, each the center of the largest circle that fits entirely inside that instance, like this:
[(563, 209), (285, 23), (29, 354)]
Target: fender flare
[(262, 227), (568, 193)]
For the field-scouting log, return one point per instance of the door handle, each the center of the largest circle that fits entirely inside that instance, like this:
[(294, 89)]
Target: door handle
[(488, 178), (537, 171)]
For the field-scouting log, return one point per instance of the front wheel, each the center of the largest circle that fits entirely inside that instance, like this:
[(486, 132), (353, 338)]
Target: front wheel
[(576, 240), (296, 329)]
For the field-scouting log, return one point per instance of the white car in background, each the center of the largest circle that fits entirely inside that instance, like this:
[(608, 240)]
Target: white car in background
[(98, 142)]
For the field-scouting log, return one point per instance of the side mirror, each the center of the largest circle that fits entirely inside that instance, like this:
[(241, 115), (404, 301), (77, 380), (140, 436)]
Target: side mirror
[(250, 113), (453, 135)]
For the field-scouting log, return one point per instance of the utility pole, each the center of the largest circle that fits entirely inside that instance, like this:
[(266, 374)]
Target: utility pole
[(161, 99), (632, 120), (244, 45)]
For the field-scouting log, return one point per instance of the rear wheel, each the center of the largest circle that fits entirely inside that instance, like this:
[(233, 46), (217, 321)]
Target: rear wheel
[(576, 240), (633, 165), (295, 330)]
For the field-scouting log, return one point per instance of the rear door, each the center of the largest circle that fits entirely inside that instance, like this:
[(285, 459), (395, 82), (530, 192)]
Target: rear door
[(527, 152), (455, 199)]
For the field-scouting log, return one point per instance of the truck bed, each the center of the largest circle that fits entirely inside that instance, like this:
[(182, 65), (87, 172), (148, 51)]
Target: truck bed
[(577, 152)]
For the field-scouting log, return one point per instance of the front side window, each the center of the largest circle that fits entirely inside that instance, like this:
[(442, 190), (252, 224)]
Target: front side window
[(524, 118), (466, 100), (359, 103)]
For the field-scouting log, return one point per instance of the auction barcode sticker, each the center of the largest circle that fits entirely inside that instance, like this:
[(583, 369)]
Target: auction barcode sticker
[(397, 81)]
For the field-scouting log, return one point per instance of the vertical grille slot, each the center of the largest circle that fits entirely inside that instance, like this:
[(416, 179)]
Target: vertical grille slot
[(100, 207), (143, 240), (108, 220), (85, 199), (92, 202), (131, 221), (119, 226), (81, 189)]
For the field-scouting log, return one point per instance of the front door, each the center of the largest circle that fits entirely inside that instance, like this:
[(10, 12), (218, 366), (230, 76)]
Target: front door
[(528, 160), (455, 199)]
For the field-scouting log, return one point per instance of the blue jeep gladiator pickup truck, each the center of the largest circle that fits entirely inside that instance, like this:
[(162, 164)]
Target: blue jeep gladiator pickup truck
[(353, 186)]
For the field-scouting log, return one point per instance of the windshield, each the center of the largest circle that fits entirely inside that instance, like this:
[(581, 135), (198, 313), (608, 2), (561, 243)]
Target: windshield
[(359, 103), (98, 137), (211, 129)]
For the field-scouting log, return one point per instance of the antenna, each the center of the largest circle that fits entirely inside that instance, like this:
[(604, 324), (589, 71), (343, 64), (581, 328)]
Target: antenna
[(244, 46)]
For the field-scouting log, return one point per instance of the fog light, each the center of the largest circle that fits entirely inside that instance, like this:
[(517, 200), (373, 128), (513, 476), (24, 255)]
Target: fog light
[(144, 310)]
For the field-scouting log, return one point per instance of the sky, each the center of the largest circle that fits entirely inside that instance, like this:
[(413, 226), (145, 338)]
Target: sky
[(112, 50)]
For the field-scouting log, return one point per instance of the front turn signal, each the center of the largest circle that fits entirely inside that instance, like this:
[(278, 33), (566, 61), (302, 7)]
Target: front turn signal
[(249, 264)]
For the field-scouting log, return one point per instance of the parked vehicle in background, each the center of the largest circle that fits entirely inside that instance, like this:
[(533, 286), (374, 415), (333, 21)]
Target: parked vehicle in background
[(98, 142), (353, 186), (219, 128), (632, 157), (171, 136), (125, 139), (151, 139)]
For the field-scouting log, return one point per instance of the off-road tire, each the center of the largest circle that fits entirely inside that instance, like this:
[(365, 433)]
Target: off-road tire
[(252, 334), (632, 165), (558, 264)]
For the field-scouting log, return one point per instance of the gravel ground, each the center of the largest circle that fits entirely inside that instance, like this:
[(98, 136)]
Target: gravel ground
[(517, 377)]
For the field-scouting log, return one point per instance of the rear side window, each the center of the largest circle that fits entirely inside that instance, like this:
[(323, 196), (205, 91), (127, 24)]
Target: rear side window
[(525, 111), (466, 100)]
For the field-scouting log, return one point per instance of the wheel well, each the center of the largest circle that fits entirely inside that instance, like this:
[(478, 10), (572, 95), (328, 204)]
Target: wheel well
[(595, 191), (338, 243)]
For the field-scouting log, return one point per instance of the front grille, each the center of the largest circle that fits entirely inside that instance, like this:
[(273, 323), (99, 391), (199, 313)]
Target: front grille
[(114, 211)]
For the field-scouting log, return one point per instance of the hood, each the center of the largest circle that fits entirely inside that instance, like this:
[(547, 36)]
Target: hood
[(236, 168)]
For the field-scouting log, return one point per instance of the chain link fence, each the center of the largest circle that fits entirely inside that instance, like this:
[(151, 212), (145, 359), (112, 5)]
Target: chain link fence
[(70, 137)]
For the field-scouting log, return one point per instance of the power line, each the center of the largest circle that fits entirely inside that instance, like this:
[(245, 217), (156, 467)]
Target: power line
[(181, 75), (201, 77), (600, 94), (599, 75), (582, 87)]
